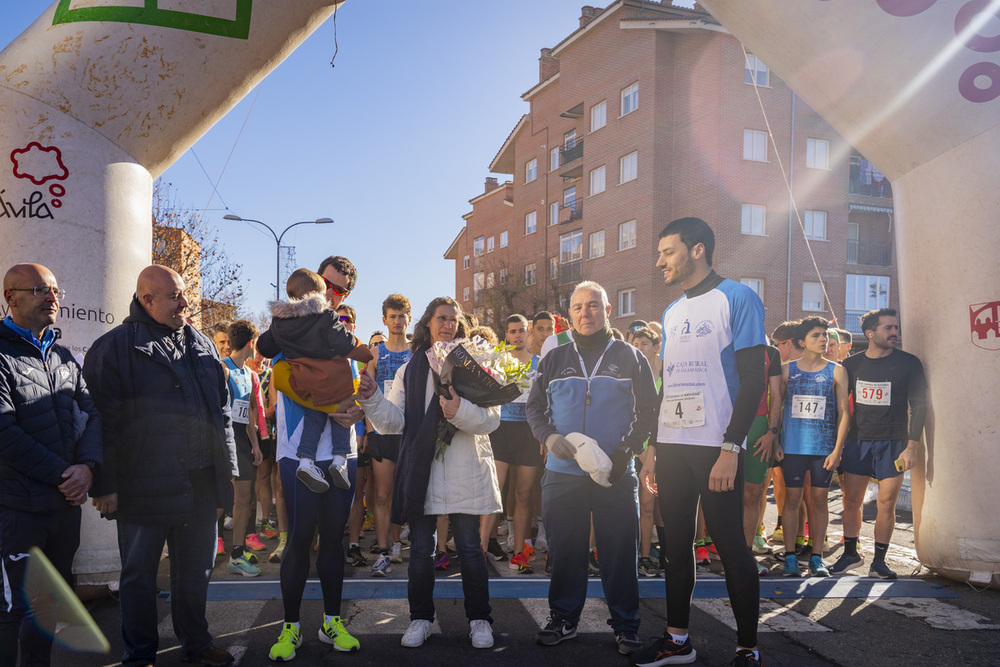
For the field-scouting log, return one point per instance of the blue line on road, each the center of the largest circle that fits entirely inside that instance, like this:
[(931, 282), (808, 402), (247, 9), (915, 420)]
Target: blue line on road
[(650, 588)]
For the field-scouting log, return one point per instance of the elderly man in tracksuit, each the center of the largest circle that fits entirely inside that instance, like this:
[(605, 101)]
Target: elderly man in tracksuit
[(602, 388)]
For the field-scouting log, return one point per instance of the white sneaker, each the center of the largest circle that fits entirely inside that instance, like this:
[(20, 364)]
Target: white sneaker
[(502, 529), (481, 633), (541, 542), (338, 472), (311, 476), (404, 535), (396, 553), (418, 632)]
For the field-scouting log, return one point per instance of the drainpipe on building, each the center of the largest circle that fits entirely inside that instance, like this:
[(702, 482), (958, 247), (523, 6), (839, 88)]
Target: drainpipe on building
[(791, 216)]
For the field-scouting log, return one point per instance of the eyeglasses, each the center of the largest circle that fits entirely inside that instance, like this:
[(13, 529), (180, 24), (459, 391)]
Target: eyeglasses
[(337, 289), (346, 319), (41, 290)]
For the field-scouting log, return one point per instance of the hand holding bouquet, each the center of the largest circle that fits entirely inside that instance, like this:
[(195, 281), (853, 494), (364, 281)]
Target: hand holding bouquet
[(477, 371)]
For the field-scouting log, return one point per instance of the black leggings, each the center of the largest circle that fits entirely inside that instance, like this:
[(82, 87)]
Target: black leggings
[(682, 473)]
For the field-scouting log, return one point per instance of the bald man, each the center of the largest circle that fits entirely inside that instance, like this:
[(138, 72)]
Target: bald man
[(50, 442), (169, 458)]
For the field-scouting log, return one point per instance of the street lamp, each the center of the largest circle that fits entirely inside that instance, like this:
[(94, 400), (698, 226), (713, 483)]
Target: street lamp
[(277, 240)]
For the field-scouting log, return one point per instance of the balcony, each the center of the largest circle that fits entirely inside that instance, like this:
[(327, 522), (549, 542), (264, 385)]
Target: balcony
[(852, 322), (571, 160), (570, 272), (571, 212), (868, 252), (867, 180)]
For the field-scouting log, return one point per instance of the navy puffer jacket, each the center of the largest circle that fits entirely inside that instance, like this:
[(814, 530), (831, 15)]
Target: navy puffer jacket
[(42, 406), (137, 388)]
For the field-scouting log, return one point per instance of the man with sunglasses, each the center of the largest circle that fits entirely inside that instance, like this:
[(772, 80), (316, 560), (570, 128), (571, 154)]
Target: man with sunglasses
[(50, 440)]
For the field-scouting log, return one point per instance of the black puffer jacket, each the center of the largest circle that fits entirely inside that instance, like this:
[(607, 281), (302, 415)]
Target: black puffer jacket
[(137, 388), (42, 406)]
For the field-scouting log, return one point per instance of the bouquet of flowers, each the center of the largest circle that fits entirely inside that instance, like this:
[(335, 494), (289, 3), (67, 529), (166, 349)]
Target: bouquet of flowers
[(477, 371)]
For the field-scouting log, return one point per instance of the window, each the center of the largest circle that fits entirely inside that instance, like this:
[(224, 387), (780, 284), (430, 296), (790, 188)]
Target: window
[(571, 246), (597, 244), (531, 170), (529, 274), (554, 213), (553, 268), (478, 283), (530, 223), (504, 273), (479, 246), (554, 158), (753, 219), (630, 98), (490, 280), (626, 235), (629, 167), (756, 72), (756, 284), (569, 197), (626, 302), (569, 140), (755, 145), (503, 239), (815, 224), (598, 116), (491, 244), (866, 293), (812, 296), (465, 262), (597, 180), (817, 153), (465, 294)]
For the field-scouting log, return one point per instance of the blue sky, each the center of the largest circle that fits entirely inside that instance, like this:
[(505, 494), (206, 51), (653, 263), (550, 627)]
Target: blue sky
[(391, 143)]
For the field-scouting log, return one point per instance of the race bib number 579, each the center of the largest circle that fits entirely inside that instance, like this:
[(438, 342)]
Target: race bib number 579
[(873, 393)]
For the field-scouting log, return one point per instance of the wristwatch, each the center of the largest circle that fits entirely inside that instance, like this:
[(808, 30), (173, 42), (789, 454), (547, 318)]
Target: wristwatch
[(774, 430), (730, 447)]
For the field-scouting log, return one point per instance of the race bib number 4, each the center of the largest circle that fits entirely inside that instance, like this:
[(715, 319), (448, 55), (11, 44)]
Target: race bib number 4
[(808, 407), (388, 387), (683, 410), (873, 393), (241, 411)]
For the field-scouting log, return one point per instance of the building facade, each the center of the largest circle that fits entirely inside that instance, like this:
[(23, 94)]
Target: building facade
[(647, 113)]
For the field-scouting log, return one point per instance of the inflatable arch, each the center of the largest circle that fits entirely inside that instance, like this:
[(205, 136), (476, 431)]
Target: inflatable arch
[(914, 84), (97, 100)]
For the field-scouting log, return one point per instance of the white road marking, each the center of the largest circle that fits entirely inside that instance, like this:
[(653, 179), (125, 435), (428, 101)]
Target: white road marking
[(773, 616), (937, 613)]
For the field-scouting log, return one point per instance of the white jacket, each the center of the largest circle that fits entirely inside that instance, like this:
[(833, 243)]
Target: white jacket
[(465, 482)]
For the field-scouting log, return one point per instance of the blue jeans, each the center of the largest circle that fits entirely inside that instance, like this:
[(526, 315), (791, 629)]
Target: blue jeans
[(306, 511), (192, 556), (568, 501), (475, 577)]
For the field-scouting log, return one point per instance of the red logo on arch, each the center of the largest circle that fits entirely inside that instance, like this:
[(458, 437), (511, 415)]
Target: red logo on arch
[(984, 319)]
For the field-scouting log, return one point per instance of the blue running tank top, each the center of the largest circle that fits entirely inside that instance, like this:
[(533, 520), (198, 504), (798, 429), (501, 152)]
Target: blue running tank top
[(240, 386), (388, 363), (516, 410), (808, 425)]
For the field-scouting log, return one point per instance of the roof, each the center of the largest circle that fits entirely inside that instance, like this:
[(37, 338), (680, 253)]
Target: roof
[(503, 163), (453, 248)]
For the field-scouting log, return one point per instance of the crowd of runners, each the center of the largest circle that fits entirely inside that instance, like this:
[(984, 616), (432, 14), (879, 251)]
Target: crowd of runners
[(302, 433)]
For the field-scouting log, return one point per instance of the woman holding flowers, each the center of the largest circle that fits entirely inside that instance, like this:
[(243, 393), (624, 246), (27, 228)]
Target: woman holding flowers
[(458, 480)]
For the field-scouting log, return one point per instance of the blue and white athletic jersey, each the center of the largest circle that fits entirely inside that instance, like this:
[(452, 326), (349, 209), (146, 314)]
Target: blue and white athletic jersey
[(809, 422), (388, 363), (515, 410), (701, 335), (240, 386)]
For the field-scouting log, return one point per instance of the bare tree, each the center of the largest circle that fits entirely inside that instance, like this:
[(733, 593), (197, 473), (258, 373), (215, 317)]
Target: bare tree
[(184, 242), (505, 293)]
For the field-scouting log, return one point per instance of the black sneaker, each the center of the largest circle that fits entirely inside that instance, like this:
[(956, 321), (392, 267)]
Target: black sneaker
[(555, 631), (628, 642), (665, 651), (495, 553), (357, 559), (846, 563), (745, 658), (881, 570)]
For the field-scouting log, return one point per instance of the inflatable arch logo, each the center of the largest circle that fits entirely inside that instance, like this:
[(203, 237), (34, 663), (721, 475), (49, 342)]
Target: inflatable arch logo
[(151, 14)]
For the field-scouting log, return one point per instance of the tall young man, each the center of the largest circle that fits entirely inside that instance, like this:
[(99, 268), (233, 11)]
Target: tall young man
[(884, 438), (384, 449), (713, 365), (812, 405)]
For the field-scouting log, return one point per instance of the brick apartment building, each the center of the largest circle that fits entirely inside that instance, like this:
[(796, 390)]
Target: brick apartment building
[(646, 113)]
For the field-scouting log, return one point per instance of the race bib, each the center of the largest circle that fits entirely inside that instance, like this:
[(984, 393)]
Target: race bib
[(388, 386), (241, 411), (808, 407), (873, 393), (683, 410), (523, 398)]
